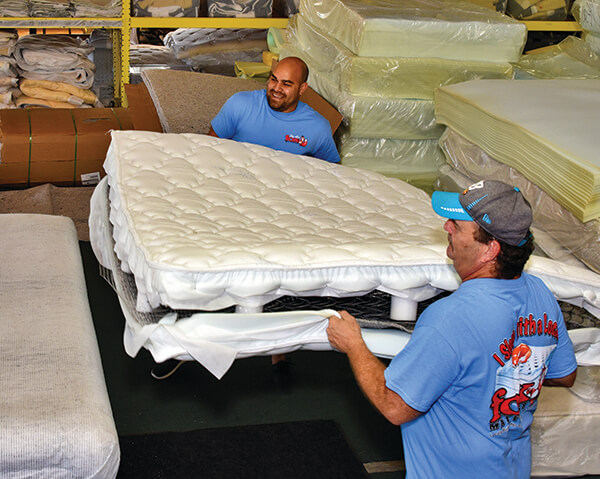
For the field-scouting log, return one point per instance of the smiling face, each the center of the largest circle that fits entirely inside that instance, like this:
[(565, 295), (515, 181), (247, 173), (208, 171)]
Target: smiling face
[(471, 258), (286, 84)]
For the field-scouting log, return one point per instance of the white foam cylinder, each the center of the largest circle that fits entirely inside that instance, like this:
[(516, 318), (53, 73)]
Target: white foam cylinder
[(403, 309)]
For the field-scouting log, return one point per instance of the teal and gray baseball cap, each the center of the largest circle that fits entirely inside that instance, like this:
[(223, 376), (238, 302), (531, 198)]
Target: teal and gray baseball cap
[(500, 209)]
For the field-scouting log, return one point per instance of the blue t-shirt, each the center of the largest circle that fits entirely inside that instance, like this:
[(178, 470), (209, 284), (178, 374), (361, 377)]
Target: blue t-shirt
[(247, 116), (475, 365)]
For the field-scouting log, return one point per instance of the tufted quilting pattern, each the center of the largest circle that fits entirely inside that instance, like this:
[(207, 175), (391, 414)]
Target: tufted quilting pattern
[(198, 204), (205, 223)]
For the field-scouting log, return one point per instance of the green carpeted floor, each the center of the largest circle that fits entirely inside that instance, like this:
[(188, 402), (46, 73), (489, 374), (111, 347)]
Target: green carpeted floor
[(322, 387)]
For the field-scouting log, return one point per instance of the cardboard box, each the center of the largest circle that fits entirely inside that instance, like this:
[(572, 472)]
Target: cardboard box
[(59, 146)]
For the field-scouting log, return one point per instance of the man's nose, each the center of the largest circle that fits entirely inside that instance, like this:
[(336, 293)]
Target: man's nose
[(449, 226)]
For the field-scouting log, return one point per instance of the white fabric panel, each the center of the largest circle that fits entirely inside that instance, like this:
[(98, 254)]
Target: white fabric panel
[(564, 433), (546, 129), (56, 419), (419, 28)]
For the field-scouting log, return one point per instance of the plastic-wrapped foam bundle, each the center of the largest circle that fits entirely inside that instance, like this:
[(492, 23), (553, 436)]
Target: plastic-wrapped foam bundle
[(8, 72), (418, 28), (390, 77), (587, 13), (571, 58), (379, 63), (416, 161)]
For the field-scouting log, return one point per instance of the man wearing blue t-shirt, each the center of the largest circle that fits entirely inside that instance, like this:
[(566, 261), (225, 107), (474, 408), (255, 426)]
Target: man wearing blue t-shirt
[(276, 118), (466, 385)]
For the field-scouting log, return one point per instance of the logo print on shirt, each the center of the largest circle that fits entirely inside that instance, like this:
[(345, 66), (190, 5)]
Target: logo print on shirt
[(300, 140)]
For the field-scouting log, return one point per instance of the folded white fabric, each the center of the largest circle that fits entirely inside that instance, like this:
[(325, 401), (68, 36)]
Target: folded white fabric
[(55, 58), (546, 129), (419, 28)]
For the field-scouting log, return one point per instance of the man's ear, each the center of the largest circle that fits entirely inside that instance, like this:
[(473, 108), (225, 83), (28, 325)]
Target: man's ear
[(303, 88), (492, 251)]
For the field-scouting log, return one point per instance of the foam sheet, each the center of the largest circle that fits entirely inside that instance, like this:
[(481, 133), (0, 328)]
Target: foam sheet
[(205, 223), (546, 129), (418, 28)]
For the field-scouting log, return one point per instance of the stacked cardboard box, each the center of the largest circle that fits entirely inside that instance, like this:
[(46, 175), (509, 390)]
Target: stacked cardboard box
[(63, 147)]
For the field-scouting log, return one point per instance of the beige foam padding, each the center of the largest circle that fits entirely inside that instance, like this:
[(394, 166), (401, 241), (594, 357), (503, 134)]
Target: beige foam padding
[(187, 102), (73, 202)]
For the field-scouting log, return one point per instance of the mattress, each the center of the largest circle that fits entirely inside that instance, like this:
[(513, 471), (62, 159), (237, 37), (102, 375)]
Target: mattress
[(558, 232), (386, 76), (546, 129), (593, 40), (373, 117), (202, 223), (205, 223), (56, 418), (418, 28)]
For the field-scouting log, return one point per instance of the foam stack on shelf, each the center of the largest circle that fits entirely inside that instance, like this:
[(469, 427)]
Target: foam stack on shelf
[(379, 64), (56, 72), (587, 13), (542, 136)]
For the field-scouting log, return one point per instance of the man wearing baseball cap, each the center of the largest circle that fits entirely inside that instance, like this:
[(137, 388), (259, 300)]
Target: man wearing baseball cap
[(465, 386)]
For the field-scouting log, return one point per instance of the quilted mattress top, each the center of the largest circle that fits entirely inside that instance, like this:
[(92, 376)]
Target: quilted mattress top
[(198, 203)]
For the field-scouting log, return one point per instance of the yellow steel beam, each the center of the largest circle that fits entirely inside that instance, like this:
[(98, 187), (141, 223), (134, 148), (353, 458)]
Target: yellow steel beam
[(561, 26), (207, 22)]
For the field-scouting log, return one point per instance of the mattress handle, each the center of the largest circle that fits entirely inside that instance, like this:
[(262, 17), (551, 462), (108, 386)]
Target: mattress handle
[(75, 159)]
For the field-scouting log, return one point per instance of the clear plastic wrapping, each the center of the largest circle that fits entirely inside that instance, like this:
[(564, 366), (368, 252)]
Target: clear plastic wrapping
[(389, 77), (415, 161), (571, 58), (587, 13), (575, 237), (419, 28), (240, 8), (372, 117), (593, 41)]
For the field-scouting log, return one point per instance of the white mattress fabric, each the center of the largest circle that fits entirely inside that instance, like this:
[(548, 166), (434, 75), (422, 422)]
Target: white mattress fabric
[(55, 414), (546, 129), (419, 28)]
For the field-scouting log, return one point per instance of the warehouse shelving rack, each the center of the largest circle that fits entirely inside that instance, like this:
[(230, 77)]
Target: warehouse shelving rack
[(121, 27)]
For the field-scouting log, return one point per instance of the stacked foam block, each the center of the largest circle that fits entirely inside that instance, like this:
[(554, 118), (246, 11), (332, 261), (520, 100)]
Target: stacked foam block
[(380, 62)]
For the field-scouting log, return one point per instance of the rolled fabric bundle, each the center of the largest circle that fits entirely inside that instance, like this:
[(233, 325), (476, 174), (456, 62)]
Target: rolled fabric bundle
[(25, 101), (58, 91)]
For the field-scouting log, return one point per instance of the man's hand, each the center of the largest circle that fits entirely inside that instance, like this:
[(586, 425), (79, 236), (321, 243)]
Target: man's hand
[(344, 332)]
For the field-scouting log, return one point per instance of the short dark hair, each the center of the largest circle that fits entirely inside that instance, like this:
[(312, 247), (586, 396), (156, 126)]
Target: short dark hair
[(511, 259)]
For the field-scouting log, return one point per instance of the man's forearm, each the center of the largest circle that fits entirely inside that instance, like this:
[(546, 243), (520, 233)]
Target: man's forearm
[(369, 373)]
